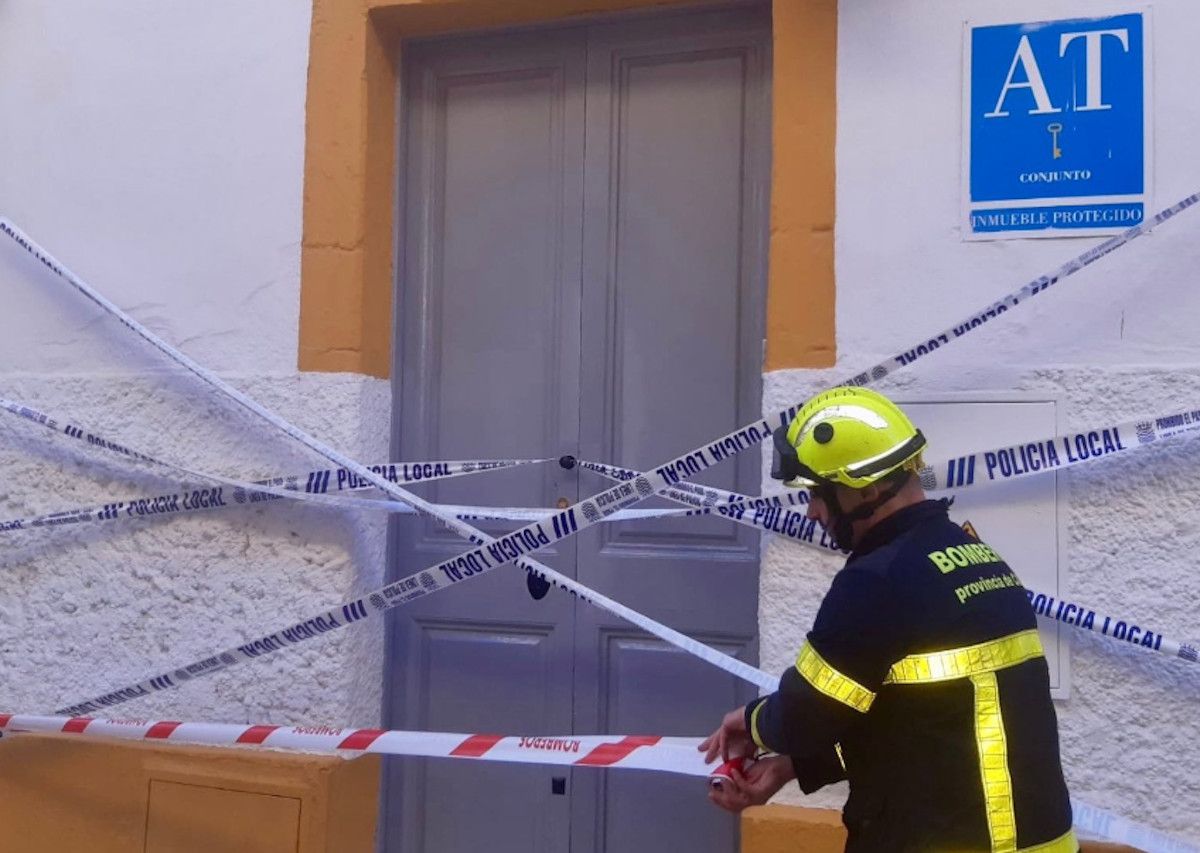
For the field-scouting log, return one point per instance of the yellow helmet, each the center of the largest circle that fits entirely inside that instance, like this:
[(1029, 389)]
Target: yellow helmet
[(852, 436)]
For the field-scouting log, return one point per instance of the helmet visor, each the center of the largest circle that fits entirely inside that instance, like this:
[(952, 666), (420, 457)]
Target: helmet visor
[(785, 464)]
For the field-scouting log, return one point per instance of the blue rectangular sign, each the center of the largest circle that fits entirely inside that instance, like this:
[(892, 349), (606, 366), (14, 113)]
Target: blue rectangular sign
[(1055, 127)]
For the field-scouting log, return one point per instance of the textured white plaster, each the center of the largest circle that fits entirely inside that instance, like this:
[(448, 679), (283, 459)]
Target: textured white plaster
[(1115, 341), (87, 609)]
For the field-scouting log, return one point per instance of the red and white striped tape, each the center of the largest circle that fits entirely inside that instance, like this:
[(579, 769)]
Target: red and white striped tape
[(637, 752), (678, 755)]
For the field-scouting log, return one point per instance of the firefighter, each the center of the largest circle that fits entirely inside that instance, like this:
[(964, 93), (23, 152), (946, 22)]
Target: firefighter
[(922, 682)]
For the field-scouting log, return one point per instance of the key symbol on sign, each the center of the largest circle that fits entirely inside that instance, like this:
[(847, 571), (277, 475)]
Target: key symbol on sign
[(1055, 129)]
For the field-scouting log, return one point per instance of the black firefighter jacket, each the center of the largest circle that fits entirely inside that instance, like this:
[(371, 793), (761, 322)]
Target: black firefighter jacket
[(923, 683)]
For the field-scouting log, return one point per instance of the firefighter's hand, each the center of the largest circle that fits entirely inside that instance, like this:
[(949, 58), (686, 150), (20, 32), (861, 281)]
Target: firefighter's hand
[(755, 786), (731, 740)]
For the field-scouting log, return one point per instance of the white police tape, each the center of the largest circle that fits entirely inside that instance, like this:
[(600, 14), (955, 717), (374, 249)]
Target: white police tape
[(770, 514), (1002, 463), (1120, 629), (1067, 612), (316, 490), (241, 490), (634, 752), (352, 609), (491, 553), (205, 499), (1049, 607), (1098, 822), (1056, 452), (394, 595), (201, 500), (72, 431), (998, 464), (695, 494), (356, 609), (508, 513), (701, 496), (317, 482)]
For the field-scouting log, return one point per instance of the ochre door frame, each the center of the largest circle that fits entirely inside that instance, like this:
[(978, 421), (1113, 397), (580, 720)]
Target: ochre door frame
[(346, 285)]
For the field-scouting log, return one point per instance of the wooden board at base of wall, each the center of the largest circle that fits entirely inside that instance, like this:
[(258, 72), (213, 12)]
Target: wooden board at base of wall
[(63, 793)]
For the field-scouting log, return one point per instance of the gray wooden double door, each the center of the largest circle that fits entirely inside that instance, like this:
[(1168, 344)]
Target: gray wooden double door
[(582, 272)]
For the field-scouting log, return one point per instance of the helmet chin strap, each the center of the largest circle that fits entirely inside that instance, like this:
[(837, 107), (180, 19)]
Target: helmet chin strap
[(841, 524)]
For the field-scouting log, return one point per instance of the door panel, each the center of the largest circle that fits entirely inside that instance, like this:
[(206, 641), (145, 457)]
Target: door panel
[(491, 301), (584, 269), (677, 164), (489, 353), (645, 683), (511, 670), (676, 169)]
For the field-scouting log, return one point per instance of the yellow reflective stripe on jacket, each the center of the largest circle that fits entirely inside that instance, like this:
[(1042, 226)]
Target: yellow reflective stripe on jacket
[(993, 764), (754, 726), (832, 683), (967, 661)]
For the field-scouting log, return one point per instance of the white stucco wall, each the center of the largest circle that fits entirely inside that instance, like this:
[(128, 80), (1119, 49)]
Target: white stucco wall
[(157, 150), (1116, 341)]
